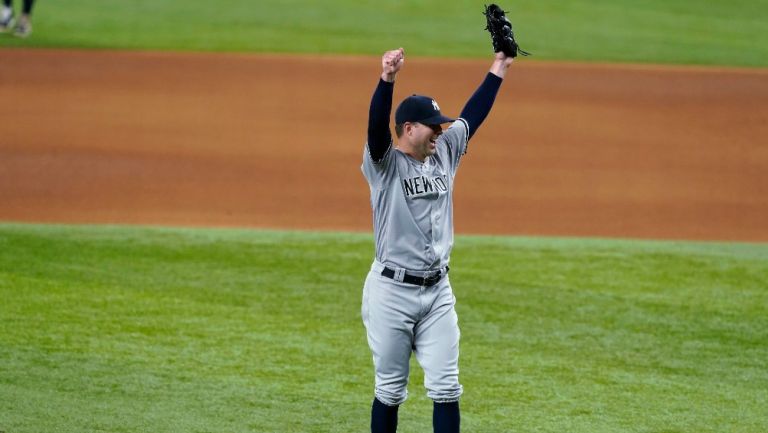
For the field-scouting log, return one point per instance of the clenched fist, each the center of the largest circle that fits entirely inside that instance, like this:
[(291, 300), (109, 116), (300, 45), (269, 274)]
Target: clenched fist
[(391, 62)]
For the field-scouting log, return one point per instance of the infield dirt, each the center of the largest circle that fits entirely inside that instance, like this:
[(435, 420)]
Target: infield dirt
[(276, 141)]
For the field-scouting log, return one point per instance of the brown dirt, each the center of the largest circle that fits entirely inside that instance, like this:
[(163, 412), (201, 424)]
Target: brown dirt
[(276, 141)]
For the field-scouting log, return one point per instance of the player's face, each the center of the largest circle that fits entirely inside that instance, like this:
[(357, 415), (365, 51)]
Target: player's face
[(424, 138)]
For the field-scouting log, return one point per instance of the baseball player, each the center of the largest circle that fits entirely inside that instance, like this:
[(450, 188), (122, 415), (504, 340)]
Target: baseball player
[(408, 304)]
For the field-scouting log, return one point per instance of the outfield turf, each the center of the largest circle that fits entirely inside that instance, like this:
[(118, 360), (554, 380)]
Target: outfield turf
[(136, 329), (719, 32)]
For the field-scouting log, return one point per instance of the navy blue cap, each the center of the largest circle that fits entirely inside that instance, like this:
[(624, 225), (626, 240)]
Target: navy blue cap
[(422, 109)]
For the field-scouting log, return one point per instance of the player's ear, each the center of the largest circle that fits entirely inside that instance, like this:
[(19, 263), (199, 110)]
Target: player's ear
[(409, 128)]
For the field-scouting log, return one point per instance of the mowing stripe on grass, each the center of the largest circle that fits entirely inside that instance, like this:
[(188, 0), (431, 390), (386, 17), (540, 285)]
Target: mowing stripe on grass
[(108, 328), (650, 31)]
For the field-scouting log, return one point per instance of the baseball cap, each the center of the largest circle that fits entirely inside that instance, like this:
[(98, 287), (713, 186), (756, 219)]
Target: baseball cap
[(422, 109)]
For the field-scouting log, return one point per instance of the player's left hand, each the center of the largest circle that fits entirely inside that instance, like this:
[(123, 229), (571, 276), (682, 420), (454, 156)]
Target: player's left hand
[(501, 62), (502, 36), (504, 59)]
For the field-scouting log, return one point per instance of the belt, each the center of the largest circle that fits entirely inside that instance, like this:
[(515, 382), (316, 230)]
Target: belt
[(419, 281)]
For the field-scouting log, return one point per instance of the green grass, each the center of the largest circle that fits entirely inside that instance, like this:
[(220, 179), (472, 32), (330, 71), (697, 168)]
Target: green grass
[(720, 32), (177, 330)]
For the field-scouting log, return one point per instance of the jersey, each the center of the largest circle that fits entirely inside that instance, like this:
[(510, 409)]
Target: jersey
[(412, 202)]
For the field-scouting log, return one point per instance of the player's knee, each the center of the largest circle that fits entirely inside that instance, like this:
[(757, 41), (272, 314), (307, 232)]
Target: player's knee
[(445, 392), (392, 395)]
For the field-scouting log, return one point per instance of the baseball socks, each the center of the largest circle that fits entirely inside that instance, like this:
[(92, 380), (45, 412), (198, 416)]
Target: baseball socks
[(446, 417), (383, 417)]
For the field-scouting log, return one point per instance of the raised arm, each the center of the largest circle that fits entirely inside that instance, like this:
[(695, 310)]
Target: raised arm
[(379, 135), (479, 104)]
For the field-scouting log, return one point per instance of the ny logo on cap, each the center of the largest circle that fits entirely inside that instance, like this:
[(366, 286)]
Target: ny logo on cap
[(434, 104)]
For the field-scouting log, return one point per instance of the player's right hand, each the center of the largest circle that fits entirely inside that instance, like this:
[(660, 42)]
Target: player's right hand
[(391, 62)]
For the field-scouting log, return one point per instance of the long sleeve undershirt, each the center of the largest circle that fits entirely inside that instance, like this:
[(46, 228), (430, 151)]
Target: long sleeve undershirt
[(475, 111), (479, 104), (379, 136)]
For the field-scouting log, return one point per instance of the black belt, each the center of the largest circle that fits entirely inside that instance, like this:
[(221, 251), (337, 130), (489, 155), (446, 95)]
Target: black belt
[(419, 281)]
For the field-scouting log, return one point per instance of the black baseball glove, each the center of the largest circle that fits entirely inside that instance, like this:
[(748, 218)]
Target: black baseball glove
[(501, 32)]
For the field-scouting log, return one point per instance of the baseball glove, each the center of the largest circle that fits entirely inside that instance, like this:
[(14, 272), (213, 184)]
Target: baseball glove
[(501, 32)]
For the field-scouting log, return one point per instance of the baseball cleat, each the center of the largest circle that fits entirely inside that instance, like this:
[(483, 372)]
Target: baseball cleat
[(23, 28), (6, 21)]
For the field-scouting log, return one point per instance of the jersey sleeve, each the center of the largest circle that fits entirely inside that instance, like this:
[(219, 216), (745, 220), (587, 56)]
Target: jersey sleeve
[(378, 172), (455, 139)]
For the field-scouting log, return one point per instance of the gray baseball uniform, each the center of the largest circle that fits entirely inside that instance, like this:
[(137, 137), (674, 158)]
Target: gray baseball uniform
[(413, 224)]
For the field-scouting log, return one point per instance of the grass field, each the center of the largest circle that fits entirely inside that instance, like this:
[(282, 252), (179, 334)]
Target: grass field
[(124, 329), (721, 32)]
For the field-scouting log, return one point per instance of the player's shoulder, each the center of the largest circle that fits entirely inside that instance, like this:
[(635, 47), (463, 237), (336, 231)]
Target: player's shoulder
[(455, 139), (378, 156), (460, 123), (459, 128), (457, 132), (376, 170)]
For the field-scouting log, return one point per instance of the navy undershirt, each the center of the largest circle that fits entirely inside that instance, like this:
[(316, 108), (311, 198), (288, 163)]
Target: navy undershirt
[(474, 112)]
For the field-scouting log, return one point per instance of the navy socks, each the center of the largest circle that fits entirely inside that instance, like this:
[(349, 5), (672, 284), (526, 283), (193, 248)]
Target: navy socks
[(383, 417), (446, 417)]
